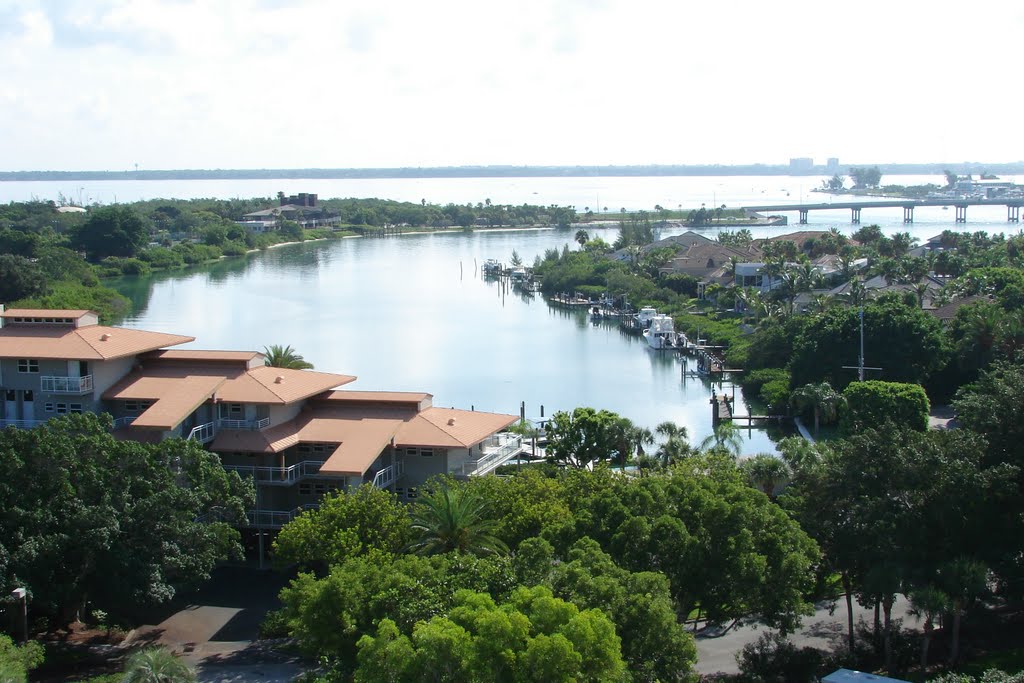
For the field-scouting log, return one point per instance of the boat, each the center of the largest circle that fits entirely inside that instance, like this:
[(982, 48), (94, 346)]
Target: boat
[(491, 268), (518, 276), (662, 333), (645, 316)]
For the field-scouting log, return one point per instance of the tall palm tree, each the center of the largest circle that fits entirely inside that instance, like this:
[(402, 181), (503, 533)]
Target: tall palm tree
[(453, 518), (766, 472), (157, 665), (821, 398), (285, 357), (676, 446), (582, 237), (726, 436)]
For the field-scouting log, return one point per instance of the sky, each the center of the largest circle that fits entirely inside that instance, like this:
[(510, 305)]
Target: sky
[(171, 84)]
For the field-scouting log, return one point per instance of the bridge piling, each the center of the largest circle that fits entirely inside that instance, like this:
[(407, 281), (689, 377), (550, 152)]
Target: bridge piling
[(961, 213), (908, 214), (803, 216), (855, 215), (1013, 213)]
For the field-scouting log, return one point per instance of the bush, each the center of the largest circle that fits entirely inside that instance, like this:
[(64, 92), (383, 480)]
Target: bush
[(873, 403), (776, 394), (753, 381), (773, 659), (275, 625)]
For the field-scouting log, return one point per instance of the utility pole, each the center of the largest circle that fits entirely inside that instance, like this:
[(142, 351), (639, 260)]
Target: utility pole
[(860, 368)]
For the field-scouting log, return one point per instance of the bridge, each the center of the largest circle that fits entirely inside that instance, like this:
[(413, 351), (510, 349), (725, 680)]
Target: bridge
[(908, 206)]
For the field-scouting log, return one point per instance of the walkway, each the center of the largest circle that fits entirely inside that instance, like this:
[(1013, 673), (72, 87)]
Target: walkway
[(822, 630)]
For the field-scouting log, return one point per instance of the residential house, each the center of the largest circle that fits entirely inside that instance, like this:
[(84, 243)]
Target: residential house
[(293, 431)]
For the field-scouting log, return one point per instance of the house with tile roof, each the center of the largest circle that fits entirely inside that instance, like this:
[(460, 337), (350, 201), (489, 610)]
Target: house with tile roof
[(294, 431)]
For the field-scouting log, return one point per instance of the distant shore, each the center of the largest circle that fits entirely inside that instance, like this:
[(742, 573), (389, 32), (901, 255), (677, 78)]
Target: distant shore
[(500, 171)]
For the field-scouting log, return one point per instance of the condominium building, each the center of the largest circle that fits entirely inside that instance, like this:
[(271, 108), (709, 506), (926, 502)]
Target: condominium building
[(294, 431)]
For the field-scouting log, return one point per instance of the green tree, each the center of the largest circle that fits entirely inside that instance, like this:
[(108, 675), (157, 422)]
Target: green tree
[(675, 446), (452, 517), (20, 278), (345, 525), (582, 237), (278, 356), (16, 661), (726, 436), (582, 437), (872, 403), (821, 398), (111, 231), (119, 523), (766, 471), (156, 665)]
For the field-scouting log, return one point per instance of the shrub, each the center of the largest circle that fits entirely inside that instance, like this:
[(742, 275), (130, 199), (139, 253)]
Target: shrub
[(776, 394), (873, 403), (753, 381), (773, 659)]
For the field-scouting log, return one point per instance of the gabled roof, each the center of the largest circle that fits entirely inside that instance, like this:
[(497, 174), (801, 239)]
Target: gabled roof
[(451, 428), (93, 342), (266, 384)]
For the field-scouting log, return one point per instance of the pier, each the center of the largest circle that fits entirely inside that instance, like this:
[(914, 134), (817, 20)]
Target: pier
[(908, 206)]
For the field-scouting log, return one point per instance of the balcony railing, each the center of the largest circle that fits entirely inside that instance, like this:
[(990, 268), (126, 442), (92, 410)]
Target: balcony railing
[(66, 385), (275, 519), (254, 425), (279, 476), (495, 452), (21, 424), (203, 433), (389, 475), (122, 422)]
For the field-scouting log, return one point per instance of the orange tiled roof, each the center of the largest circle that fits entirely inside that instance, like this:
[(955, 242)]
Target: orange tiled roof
[(93, 342), (376, 396), (451, 428), (44, 313), (196, 354), (261, 385), (175, 399)]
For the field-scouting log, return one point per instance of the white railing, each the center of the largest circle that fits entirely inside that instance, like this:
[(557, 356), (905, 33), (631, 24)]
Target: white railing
[(21, 424), (50, 384), (254, 425), (495, 452), (275, 519), (389, 475), (122, 422), (203, 433), (279, 476)]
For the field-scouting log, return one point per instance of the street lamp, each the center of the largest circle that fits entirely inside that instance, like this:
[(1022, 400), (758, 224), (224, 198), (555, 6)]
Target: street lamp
[(21, 595)]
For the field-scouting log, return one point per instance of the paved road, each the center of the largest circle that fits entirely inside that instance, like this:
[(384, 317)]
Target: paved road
[(822, 630)]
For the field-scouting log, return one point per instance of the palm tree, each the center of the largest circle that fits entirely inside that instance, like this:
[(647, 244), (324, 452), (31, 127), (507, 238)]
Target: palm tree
[(156, 665), (766, 471), (582, 237), (928, 602), (726, 436), (821, 398), (278, 356), (453, 518), (676, 446)]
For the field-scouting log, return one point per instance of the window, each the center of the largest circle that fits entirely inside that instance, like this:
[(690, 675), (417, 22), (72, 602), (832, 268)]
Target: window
[(410, 494), (75, 408), (48, 407), (28, 365), (316, 488), (9, 395), (420, 452), (137, 406), (62, 408), (318, 448)]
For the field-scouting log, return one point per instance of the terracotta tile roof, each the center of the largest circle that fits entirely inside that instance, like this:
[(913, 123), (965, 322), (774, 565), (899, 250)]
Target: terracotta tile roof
[(261, 385), (451, 428), (196, 354), (400, 397), (175, 398), (94, 342)]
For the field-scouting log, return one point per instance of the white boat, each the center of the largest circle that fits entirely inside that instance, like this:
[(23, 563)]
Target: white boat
[(492, 267), (645, 316), (662, 333)]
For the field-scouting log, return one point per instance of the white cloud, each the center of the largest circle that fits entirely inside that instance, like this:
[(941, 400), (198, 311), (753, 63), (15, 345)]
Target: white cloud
[(188, 83)]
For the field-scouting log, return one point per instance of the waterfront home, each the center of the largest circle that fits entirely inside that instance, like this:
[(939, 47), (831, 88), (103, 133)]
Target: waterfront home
[(293, 431)]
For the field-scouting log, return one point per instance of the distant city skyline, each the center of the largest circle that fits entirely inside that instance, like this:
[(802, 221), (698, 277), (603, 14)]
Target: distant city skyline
[(176, 84)]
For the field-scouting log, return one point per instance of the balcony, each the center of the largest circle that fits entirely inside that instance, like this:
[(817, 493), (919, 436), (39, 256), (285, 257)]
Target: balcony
[(279, 476), (21, 424), (77, 386), (494, 452), (123, 422), (389, 475), (203, 433), (274, 519), (253, 425)]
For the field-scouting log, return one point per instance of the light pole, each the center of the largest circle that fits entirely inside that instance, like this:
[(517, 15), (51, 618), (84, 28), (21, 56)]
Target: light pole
[(21, 595)]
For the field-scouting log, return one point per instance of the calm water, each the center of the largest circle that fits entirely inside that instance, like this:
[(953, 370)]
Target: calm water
[(412, 313)]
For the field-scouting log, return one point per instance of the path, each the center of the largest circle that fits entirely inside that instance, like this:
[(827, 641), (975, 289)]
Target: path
[(217, 633), (822, 630)]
